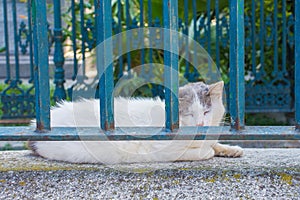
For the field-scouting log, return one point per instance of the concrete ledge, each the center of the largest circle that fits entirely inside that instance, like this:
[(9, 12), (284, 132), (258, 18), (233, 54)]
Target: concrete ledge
[(261, 173)]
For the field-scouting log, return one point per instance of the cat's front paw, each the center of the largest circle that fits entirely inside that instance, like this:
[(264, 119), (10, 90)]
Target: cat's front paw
[(228, 151), (234, 151)]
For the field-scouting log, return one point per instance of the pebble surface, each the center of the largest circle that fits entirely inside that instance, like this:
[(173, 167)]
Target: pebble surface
[(260, 174)]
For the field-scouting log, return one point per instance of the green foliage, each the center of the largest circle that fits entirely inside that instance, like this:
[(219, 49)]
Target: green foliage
[(269, 51), (10, 147), (7, 147), (201, 7), (19, 90), (2, 49), (262, 119)]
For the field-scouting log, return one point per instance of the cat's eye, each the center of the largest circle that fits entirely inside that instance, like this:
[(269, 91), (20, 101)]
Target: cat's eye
[(188, 114), (206, 112)]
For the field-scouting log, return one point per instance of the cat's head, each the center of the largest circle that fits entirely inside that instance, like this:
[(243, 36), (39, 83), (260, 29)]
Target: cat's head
[(201, 104)]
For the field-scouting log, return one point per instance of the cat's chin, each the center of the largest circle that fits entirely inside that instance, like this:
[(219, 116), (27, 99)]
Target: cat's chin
[(199, 124)]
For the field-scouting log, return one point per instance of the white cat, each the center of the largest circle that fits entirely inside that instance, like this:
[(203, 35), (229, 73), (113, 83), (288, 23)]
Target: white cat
[(199, 105)]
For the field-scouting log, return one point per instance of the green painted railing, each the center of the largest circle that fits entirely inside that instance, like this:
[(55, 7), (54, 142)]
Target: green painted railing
[(269, 46), (244, 27)]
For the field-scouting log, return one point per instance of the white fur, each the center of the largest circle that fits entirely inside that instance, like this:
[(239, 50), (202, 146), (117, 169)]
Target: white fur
[(131, 112)]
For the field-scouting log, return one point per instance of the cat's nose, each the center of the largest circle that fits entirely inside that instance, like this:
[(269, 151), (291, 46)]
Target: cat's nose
[(200, 124)]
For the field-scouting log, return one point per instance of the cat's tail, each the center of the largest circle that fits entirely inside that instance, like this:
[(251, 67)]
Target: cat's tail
[(32, 147), (115, 152), (74, 152), (105, 152)]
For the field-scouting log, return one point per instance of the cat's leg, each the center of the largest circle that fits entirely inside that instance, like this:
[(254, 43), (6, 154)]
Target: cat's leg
[(196, 154), (196, 150), (227, 151)]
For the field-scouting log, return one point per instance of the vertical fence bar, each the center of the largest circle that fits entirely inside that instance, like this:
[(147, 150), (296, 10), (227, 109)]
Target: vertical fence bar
[(58, 59), (120, 59), (104, 53), (297, 63), (237, 85), (253, 38), (275, 38), (74, 43), (194, 7), (208, 34), (262, 38), (141, 33), (128, 37), (14, 9), (170, 8), (284, 34), (217, 11), (82, 30), (186, 42), (196, 36), (208, 24), (41, 51), (6, 41), (35, 71), (150, 22), (30, 41)]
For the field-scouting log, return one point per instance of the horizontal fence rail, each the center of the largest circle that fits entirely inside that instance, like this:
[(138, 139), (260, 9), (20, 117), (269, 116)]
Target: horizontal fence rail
[(183, 133), (105, 26)]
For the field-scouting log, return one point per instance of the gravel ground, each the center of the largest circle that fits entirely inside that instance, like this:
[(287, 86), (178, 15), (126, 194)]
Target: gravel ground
[(260, 174)]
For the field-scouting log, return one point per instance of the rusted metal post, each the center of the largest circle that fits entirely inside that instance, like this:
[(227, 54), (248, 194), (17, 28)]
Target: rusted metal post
[(297, 64), (58, 58), (237, 85), (170, 8), (41, 68), (104, 61)]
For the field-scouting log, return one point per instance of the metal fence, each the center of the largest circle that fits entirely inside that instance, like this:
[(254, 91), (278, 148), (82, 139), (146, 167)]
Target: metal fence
[(269, 44), (104, 28)]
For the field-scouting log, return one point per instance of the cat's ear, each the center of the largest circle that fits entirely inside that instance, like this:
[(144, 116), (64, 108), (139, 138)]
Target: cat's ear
[(216, 89)]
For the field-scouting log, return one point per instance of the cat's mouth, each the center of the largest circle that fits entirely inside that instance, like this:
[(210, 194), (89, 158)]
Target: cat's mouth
[(201, 124)]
